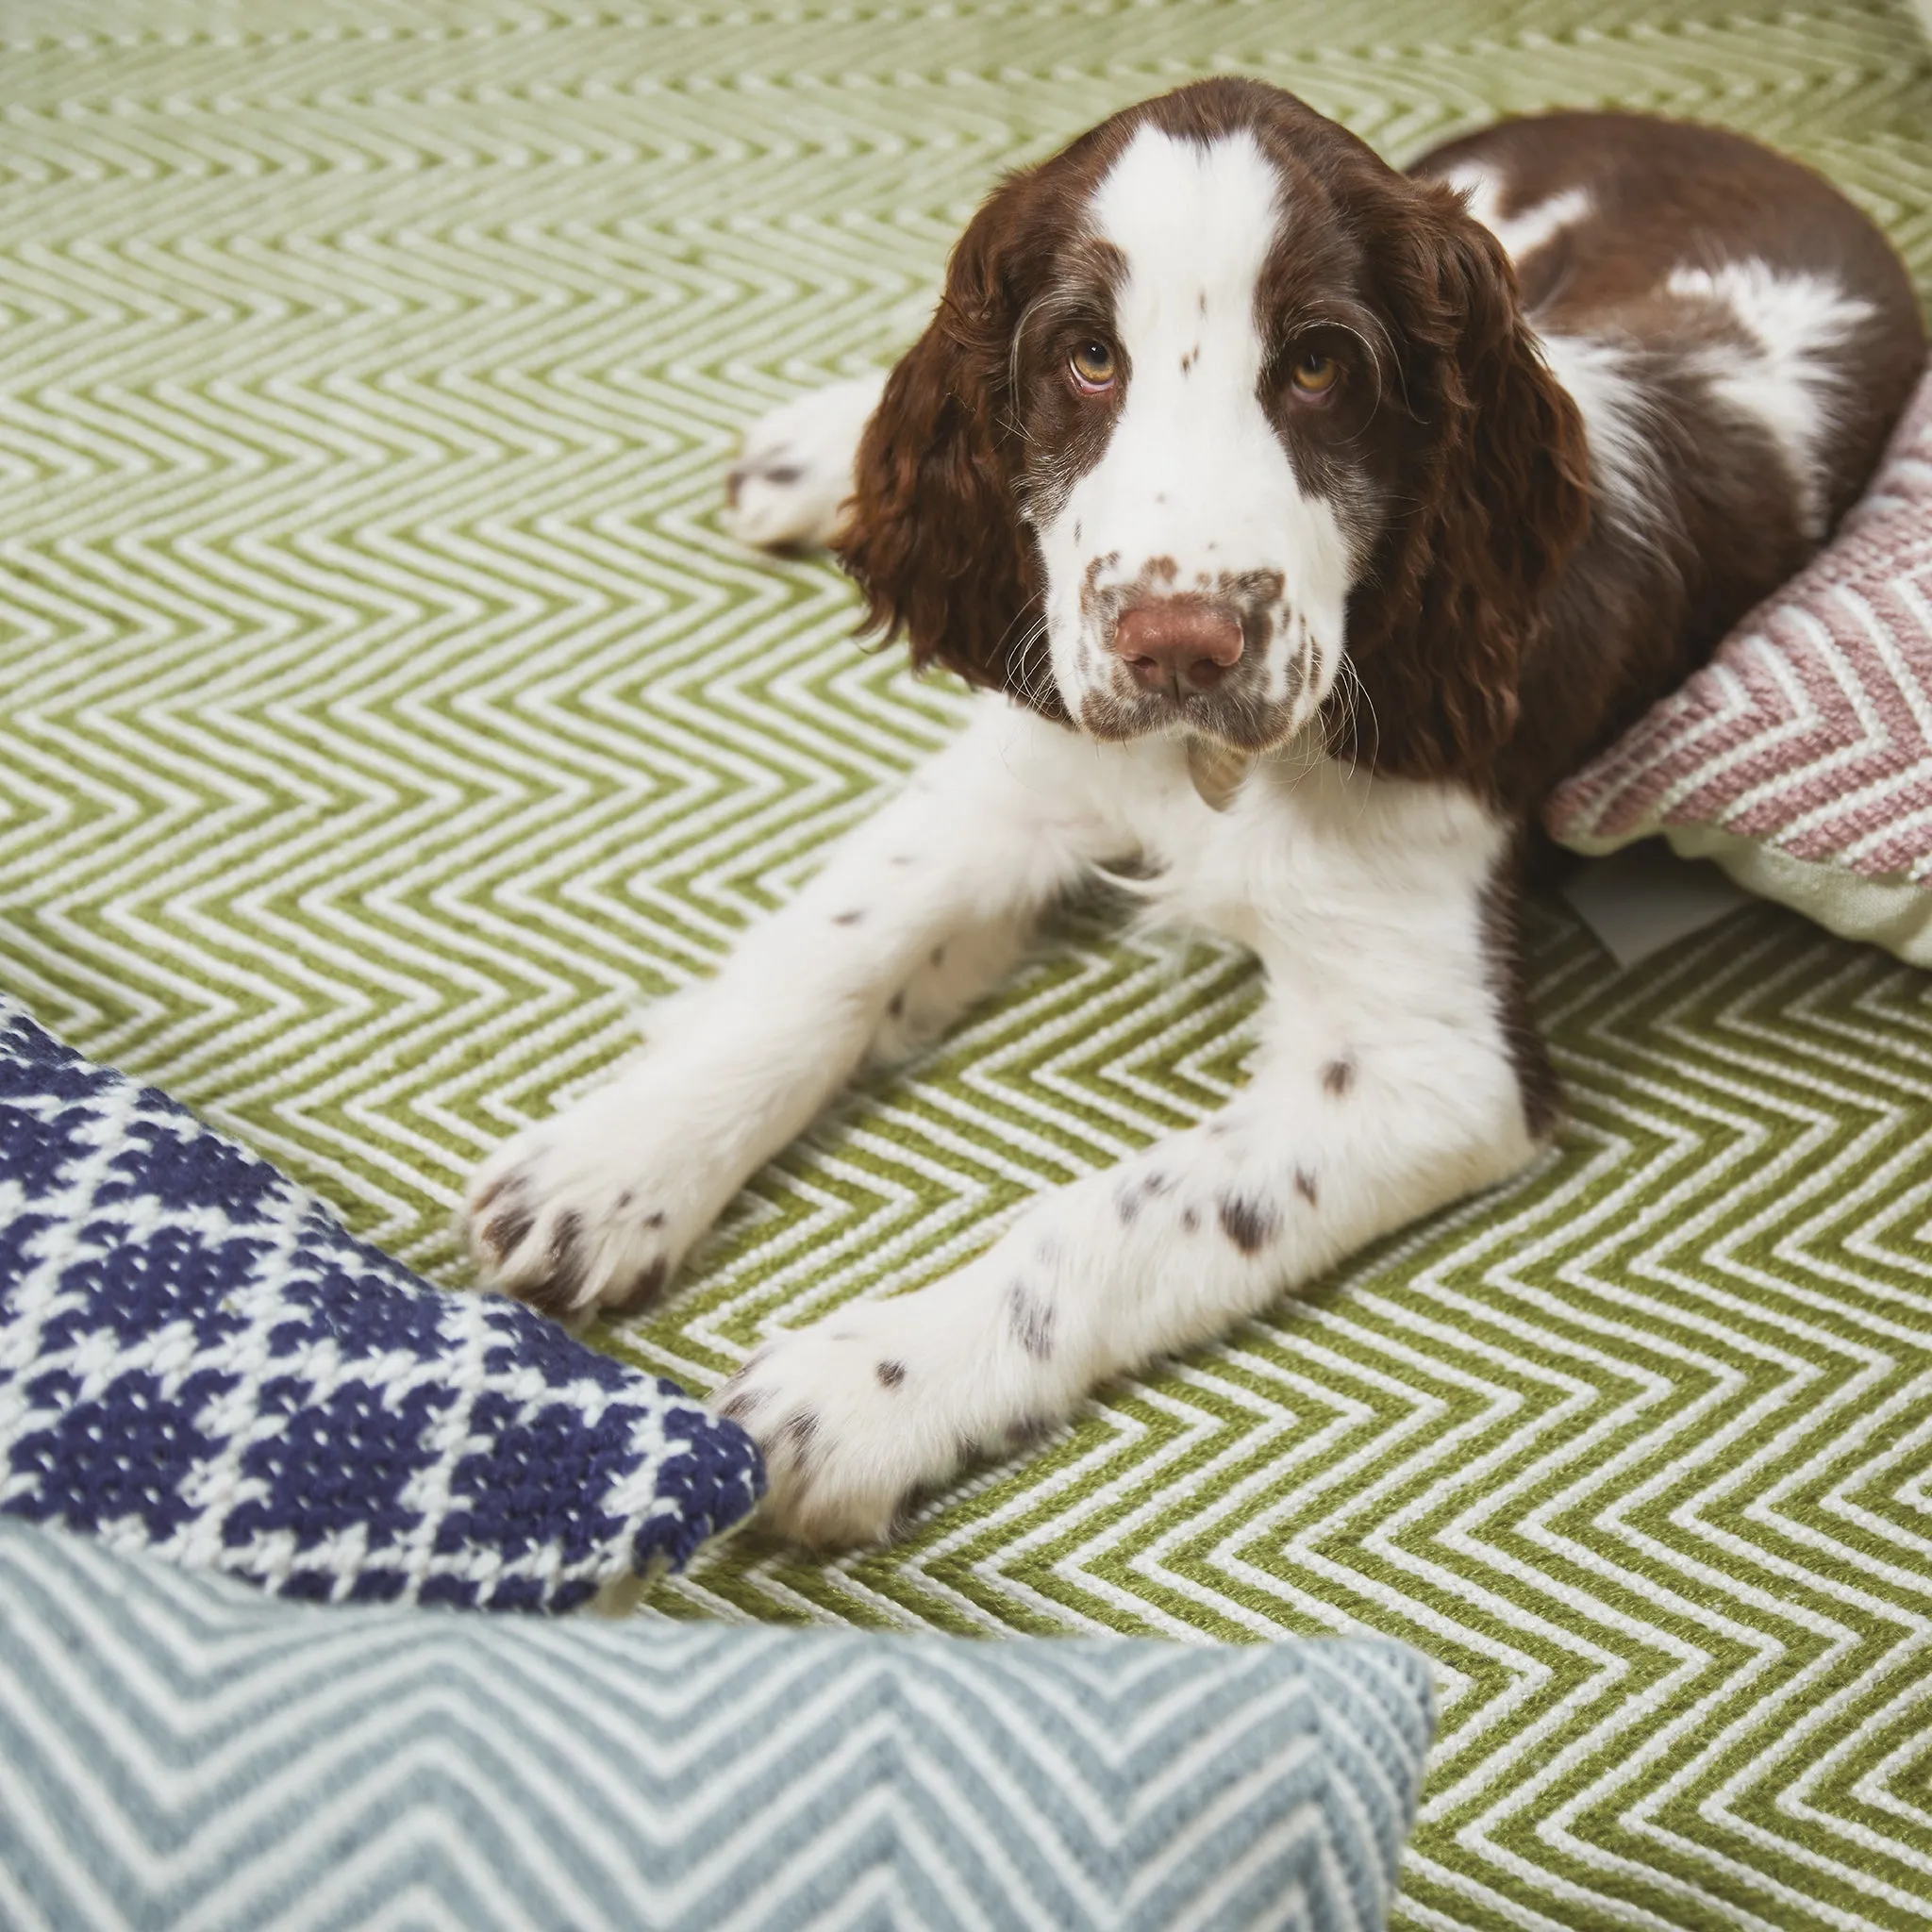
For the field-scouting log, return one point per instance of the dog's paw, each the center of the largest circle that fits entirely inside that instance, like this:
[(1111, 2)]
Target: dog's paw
[(852, 1423), (790, 482), (591, 1209)]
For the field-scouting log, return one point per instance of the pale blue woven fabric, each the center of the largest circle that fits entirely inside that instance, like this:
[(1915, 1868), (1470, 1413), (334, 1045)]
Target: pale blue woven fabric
[(175, 1750)]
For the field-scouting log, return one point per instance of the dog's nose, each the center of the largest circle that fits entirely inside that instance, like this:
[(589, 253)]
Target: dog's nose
[(1177, 644)]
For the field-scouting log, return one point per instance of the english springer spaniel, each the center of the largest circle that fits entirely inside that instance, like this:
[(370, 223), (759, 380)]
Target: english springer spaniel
[(1305, 521)]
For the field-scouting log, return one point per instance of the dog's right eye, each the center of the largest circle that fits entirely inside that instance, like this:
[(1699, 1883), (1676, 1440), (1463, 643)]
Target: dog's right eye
[(1092, 367)]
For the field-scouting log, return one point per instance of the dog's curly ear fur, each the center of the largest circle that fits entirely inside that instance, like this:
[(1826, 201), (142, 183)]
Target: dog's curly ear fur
[(932, 535), (1496, 495)]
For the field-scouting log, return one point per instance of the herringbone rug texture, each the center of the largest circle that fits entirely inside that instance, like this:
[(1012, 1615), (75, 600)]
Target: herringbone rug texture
[(381, 708)]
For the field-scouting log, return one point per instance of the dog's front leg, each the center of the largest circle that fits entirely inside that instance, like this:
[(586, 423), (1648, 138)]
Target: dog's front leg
[(1346, 1132), (915, 915)]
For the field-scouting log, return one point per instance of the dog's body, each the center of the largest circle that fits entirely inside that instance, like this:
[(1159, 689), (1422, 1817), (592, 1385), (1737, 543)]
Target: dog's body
[(1306, 542)]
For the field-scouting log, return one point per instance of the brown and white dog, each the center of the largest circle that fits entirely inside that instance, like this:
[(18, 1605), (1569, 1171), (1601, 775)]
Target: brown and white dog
[(1305, 522)]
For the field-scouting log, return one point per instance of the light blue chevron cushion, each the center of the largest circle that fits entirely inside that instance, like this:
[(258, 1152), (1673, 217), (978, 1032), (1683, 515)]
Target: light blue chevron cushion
[(178, 1751), (196, 1358)]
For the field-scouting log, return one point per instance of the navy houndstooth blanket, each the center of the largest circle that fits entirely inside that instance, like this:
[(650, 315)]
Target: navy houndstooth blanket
[(197, 1358)]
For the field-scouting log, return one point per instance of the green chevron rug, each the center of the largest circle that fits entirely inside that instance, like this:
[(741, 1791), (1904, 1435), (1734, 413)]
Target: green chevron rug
[(381, 708)]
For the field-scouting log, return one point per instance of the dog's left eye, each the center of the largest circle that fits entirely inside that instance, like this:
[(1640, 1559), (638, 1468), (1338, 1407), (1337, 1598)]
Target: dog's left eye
[(1093, 366), (1314, 374)]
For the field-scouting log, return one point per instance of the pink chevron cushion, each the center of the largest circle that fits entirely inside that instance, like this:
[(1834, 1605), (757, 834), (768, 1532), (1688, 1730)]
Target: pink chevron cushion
[(1800, 758)]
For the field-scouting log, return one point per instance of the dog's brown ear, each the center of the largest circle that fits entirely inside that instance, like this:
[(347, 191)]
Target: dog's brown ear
[(932, 534), (1495, 498)]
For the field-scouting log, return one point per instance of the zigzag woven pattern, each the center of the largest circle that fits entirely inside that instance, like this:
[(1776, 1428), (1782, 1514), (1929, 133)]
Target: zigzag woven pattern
[(175, 1753), (196, 1359), (1812, 728), (382, 708)]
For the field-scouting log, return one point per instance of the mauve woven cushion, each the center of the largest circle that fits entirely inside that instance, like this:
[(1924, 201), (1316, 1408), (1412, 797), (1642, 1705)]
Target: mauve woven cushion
[(1801, 757)]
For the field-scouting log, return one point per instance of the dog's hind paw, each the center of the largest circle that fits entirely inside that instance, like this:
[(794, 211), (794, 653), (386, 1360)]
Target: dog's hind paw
[(789, 484)]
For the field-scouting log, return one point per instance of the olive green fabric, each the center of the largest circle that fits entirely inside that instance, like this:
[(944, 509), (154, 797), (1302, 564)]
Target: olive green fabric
[(382, 709)]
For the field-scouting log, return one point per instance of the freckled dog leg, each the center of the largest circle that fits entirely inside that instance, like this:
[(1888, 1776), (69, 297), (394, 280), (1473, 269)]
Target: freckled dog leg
[(913, 916), (1339, 1138)]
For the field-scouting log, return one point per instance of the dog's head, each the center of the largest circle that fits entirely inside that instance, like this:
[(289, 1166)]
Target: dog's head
[(1216, 409)]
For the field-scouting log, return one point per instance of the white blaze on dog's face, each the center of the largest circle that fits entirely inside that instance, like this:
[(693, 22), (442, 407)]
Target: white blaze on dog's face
[(1196, 579)]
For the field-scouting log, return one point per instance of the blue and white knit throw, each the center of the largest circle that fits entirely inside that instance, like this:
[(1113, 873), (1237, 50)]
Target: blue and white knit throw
[(196, 1358)]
